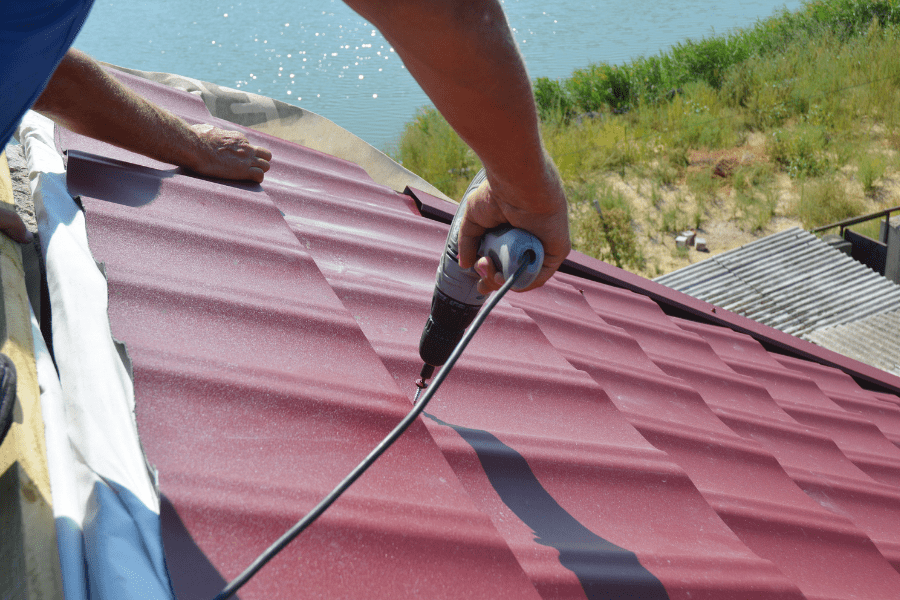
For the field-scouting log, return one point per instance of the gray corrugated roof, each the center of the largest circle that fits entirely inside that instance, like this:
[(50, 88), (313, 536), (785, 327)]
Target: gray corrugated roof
[(791, 280), (795, 282), (871, 340)]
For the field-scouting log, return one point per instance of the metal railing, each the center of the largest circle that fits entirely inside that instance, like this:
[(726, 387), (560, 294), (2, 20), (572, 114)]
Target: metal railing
[(855, 220)]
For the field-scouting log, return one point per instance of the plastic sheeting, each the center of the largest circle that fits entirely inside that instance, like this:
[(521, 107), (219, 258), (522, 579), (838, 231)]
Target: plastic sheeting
[(105, 505)]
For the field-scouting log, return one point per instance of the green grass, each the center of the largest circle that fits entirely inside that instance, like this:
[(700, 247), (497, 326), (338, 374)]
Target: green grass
[(430, 148), (826, 201), (711, 61), (801, 151), (753, 176), (704, 183), (677, 218), (871, 229), (870, 168), (755, 208), (602, 225)]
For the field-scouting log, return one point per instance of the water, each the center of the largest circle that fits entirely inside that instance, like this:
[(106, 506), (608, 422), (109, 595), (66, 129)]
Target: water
[(326, 58)]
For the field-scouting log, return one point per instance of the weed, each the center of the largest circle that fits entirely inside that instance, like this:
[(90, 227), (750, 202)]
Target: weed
[(871, 229), (600, 220), (801, 151), (655, 196), (825, 201), (665, 173), (699, 213), (751, 176), (675, 219), (553, 100), (601, 86), (754, 209), (870, 168), (703, 184), (681, 253), (894, 139)]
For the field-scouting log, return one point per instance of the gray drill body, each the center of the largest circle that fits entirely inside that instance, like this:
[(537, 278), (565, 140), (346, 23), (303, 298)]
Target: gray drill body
[(456, 300)]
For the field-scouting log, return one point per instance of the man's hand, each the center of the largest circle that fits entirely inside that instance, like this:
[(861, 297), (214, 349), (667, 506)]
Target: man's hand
[(538, 207), (229, 155)]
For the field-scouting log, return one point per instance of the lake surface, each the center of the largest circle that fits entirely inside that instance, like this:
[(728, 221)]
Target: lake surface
[(326, 58)]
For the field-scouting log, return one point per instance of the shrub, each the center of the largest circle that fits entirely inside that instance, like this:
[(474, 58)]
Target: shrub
[(600, 86), (852, 17), (596, 145), (709, 59), (554, 103)]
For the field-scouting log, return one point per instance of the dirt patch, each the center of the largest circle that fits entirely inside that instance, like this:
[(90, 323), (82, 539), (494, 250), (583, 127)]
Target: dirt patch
[(731, 197), (723, 163), (714, 198)]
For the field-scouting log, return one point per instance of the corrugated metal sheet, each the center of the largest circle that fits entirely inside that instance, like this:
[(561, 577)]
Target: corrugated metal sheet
[(586, 445), (872, 340), (791, 281)]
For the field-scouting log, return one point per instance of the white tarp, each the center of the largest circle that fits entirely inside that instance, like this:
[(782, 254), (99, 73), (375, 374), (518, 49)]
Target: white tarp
[(105, 502)]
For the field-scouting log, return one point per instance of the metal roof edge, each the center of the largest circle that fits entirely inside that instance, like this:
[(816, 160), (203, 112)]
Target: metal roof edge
[(675, 303)]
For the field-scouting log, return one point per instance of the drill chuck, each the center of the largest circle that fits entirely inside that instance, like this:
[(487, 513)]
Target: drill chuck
[(444, 328)]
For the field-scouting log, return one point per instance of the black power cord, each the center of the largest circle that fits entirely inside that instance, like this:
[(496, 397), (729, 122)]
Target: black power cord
[(392, 437)]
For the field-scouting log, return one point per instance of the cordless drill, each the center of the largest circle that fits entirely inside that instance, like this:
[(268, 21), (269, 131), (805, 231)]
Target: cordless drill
[(456, 300)]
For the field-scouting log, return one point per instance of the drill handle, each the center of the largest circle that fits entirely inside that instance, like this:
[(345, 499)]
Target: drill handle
[(507, 247)]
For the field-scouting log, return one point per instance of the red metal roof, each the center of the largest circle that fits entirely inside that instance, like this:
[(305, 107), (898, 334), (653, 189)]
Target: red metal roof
[(586, 445)]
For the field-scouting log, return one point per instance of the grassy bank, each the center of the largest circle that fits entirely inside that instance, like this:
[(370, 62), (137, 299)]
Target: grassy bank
[(793, 121)]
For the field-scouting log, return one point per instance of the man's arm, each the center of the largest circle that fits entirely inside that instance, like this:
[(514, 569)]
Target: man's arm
[(464, 56), (83, 98)]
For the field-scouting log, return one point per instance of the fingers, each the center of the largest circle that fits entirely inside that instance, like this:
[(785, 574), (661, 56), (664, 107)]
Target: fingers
[(256, 165), (230, 155), (469, 239), (547, 271), (477, 219), (256, 174), (261, 160), (262, 153), (492, 279)]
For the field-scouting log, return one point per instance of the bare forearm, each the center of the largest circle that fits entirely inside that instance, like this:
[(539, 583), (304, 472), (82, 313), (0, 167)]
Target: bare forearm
[(464, 57), (82, 97)]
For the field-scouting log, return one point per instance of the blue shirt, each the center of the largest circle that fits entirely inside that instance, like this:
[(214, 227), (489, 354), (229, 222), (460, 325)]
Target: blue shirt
[(34, 37)]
